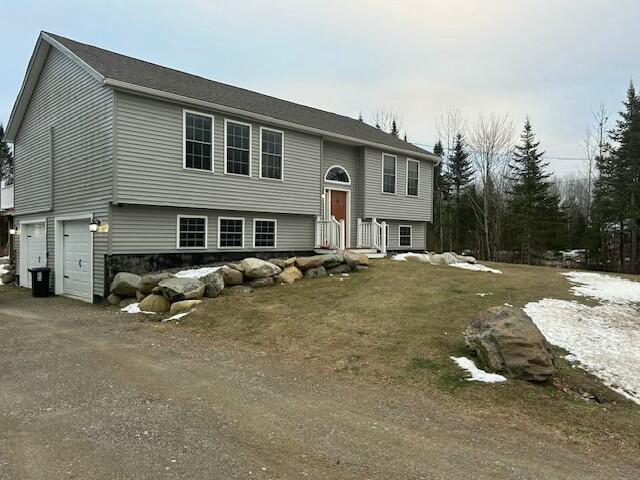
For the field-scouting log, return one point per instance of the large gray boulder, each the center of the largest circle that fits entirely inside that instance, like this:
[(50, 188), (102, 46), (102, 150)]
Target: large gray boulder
[(126, 284), (506, 340), (261, 282), (354, 258), (290, 274), (339, 269), (255, 268), (177, 289), (315, 272), (155, 303), (151, 280), (213, 283), (327, 260), (231, 276)]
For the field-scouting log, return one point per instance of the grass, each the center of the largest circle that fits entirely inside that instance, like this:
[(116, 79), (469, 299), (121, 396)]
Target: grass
[(401, 321)]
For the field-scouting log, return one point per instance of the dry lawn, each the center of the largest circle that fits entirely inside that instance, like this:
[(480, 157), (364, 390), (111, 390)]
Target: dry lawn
[(400, 322)]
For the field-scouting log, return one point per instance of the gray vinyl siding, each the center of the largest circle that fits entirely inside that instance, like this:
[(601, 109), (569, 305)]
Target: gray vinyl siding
[(150, 169), (145, 229), (418, 235), (348, 157), (79, 110), (398, 206)]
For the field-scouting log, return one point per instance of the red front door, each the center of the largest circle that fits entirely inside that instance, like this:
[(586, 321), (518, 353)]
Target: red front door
[(339, 208)]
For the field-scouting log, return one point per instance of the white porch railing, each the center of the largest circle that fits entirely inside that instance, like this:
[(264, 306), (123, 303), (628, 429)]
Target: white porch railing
[(372, 234), (330, 233), (6, 197)]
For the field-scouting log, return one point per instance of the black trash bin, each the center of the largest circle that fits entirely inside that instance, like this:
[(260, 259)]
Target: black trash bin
[(40, 281)]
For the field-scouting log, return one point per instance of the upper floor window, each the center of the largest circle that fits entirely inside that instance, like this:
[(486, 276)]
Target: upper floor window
[(271, 148), (192, 232), (389, 173), (198, 141), (413, 172), (237, 148), (337, 174)]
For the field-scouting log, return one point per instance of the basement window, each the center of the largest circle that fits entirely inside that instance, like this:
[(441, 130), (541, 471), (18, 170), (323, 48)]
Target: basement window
[(264, 233), (230, 232), (405, 232), (192, 232)]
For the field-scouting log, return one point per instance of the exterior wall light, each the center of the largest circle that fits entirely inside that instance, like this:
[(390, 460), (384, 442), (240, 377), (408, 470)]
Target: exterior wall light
[(13, 231), (94, 224)]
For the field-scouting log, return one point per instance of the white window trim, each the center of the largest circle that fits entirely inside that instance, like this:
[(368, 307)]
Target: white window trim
[(281, 179), (226, 122), (395, 185), (335, 182), (184, 141), (219, 232), (410, 227), (275, 231), (206, 232), (407, 177)]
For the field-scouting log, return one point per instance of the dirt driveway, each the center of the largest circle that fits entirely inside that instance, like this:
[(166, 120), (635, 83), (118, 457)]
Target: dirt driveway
[(90, 394)]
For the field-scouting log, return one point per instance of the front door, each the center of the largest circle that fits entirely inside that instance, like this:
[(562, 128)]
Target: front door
[(339, 208)]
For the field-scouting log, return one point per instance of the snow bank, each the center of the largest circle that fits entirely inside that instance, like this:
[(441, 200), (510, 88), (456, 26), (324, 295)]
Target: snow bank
[(134, 308), (477, 375), (603, 287), (196, 272), (402, 257), (604, 339), (3, 269), (476, 267)]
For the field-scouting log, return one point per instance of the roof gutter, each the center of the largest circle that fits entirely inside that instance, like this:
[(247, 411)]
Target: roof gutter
[(172, 97)]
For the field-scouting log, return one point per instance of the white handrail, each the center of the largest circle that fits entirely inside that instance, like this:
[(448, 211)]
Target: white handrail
[(330, 233), (372, 234)]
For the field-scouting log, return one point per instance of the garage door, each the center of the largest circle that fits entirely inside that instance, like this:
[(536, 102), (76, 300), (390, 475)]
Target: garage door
[(76, 255), (34, 253)]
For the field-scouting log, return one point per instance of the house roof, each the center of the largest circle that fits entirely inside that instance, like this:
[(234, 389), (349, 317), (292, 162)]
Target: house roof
[(127, 73)]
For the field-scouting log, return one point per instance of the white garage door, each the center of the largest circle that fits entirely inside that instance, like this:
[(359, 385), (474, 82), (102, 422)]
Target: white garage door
[(76, 259), (34, 253)]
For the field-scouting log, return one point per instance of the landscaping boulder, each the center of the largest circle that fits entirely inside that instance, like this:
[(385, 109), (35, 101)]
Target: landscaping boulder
[(155, 303), (114, 299), (213, 283), (7, 278), (140, 296), (280, 262), (238, 290), (235, 266), (290, 274), (354, 258), (506, 340), (315, 272), (151, 280), (156, 290), (261, 282), (231, 276), (184, 306), (125, 302), (255, 268), (126, 284), (342, 268), (360, 268), (176, 289), (327, 260)]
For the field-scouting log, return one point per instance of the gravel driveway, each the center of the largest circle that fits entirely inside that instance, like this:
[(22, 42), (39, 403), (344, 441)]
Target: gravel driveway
[(88, 393)]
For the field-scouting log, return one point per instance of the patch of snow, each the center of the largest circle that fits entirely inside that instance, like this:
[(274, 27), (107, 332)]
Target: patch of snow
[(402, 257), (604, 287), (3, 269), (346, 275), (196, 272), (475, 267), (482, 294), (603, 339), (477, 375), (177, 316), (134, 308)]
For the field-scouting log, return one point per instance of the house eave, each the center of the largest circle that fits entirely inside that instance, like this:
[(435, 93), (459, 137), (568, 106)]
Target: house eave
[(184, 100)]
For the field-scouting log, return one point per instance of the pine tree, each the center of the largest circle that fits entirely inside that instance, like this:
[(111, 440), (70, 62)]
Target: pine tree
[(460, 173), (534, 209), (394, 129), (441, 195), (6, 160)]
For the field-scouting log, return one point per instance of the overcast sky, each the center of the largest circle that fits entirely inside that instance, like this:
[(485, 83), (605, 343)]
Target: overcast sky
[(555, 61)]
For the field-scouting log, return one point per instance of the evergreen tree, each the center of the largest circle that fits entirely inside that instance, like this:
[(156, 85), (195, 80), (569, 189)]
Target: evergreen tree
[(6, 160), (394, 129), (535, 217), (460, 173), (442, 190)]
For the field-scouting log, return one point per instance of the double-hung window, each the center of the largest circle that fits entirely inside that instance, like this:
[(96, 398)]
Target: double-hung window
[(230, 232), (198, 141), (237, 148), (271, 148), (389, 173), (413, 172), (405, 234), (264, 233), (192, 232)]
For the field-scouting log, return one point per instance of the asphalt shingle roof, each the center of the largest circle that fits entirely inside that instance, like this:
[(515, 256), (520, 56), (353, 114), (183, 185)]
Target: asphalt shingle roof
[(145, 74)]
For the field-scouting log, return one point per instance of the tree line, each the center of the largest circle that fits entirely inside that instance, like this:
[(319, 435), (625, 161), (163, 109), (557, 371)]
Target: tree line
[(496, 197)]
